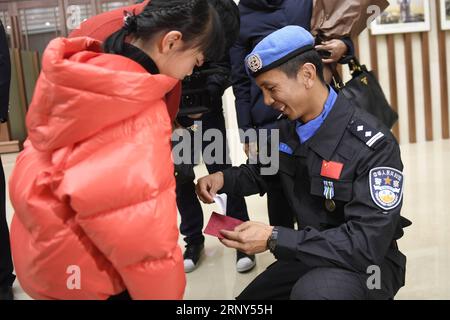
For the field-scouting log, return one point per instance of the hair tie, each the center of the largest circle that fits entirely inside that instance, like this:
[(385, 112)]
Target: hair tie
[(129, 21)]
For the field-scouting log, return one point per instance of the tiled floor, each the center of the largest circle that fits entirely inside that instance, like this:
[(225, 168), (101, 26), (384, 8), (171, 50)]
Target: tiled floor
[(426, 243)]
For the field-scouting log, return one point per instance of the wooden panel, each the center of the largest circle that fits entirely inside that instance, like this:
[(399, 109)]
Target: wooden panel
[(443, 78), (411, 100), (393, 80), (10, 147), (427, 86), (4, 132), (374, 55), (444, 85), (356, 44)]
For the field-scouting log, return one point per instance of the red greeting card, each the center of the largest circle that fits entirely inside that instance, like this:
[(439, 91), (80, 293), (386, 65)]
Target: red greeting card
[(219, 222)]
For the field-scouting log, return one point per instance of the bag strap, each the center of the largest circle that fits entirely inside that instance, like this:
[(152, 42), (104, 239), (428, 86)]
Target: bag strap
[(355, 68), (337, 79)]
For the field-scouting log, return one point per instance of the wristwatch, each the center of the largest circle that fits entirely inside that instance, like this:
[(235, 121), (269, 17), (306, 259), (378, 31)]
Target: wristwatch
[(272, 241)]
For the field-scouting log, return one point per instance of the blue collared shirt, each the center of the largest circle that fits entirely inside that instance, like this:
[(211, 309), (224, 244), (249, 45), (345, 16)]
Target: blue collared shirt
[(306, 131)]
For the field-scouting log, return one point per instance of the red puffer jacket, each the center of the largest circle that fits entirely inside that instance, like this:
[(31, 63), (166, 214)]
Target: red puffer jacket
[(94, 189)]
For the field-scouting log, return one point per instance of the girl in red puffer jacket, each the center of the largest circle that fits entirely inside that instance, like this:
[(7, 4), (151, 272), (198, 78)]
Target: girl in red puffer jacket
[(94, 191)]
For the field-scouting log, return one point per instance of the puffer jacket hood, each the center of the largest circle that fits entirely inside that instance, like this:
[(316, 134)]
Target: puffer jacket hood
[(61, 113), (262, 4), (93, 191)]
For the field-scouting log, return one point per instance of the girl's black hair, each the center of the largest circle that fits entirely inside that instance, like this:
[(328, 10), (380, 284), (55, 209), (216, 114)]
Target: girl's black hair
[(197, 20)]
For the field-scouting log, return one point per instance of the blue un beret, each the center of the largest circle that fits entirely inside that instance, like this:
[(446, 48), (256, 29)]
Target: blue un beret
[(278, 48)]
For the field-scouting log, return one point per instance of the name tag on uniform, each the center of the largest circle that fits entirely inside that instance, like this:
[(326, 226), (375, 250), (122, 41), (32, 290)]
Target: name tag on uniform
[(331, 169)]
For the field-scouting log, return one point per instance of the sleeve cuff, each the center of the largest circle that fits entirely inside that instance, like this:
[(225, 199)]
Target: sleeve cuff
[(350, 51), (228, 182), (286, 248)]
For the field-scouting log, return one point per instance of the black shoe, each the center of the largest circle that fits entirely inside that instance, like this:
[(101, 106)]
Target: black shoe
[(6, 293), (192, 256), (244, 262)]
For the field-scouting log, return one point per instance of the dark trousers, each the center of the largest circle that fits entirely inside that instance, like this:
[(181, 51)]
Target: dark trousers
[(188, 204), (297, 281), (6, 266), (280, 212)]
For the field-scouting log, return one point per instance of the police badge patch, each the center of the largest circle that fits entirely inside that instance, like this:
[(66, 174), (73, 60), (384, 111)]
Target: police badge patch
[(254, 62), (386, 187)]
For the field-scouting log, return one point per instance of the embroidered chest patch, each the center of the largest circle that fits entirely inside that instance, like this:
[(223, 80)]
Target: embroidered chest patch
[(386, 187)]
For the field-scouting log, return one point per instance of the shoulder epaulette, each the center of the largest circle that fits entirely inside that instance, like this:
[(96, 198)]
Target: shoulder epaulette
[(366, 133)]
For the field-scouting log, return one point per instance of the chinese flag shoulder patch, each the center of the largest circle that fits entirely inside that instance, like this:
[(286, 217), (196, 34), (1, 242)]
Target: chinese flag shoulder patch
[(331, 169)]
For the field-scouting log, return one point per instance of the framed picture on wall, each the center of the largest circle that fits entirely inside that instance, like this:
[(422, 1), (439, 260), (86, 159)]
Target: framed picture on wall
[(445, 14), (403, 16)]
